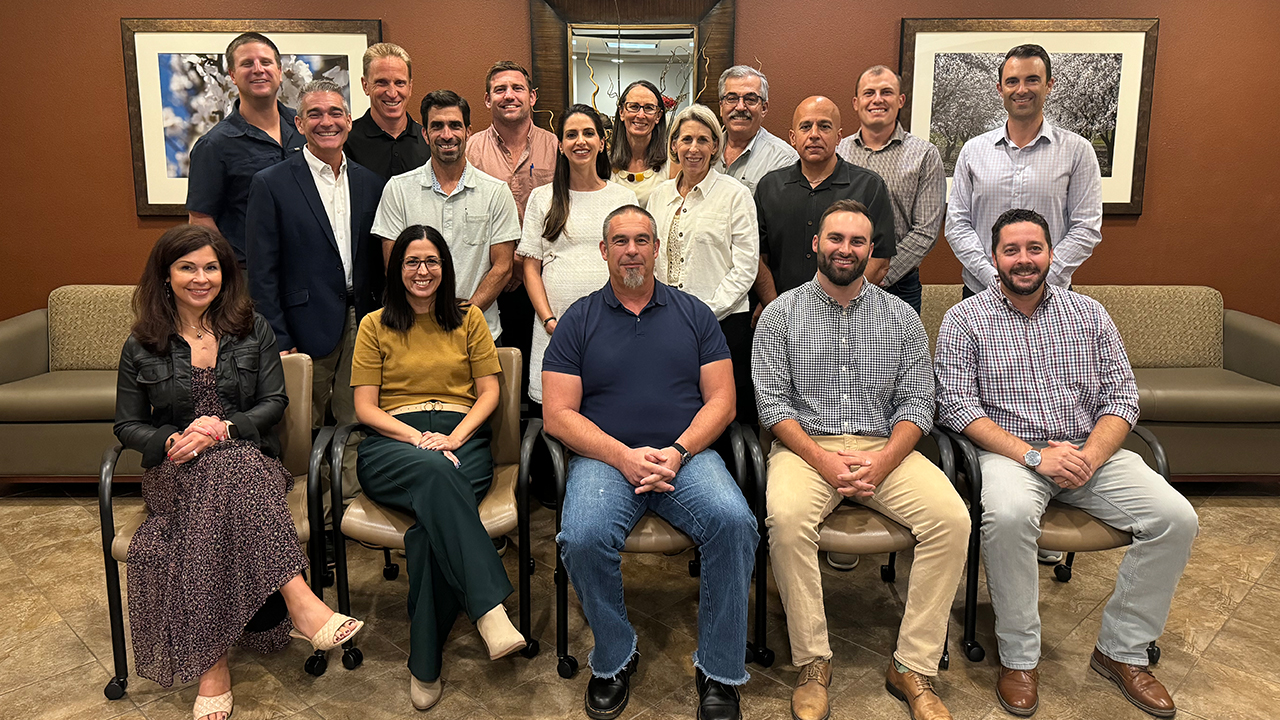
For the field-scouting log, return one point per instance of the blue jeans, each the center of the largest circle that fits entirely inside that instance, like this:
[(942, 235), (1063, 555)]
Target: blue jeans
[(908, 288), (601, 507)]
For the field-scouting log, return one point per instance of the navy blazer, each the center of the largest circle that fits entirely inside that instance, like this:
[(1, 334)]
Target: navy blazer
[(295, 272)]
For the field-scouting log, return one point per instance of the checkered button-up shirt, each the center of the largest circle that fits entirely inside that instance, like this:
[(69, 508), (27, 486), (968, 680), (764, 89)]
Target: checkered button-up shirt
[(912, 169), (1049, 376), (858, 370)]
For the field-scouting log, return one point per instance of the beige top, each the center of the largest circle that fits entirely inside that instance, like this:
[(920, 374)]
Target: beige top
[(426, 363)]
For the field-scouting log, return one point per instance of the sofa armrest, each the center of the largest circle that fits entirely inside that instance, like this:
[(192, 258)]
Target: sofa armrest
[(1251, 346), (24, 346)]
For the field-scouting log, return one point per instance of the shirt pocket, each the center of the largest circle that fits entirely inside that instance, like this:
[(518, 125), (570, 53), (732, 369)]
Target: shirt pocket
[(155, 377), (475, 227), (247, 365)]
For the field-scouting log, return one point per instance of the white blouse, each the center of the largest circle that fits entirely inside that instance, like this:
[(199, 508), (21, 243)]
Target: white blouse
[(715, 250)]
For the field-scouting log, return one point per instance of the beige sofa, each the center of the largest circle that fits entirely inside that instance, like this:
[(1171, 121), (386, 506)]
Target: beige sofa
[(58, 383), (1208, 378)]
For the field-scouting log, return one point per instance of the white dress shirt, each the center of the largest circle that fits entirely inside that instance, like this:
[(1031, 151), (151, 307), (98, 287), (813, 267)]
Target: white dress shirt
[(335, 195), (1056, 174), (716, 249)]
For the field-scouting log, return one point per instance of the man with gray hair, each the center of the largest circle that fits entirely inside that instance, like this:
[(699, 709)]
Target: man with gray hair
[(911, 168), (750, 151), (314, 269)]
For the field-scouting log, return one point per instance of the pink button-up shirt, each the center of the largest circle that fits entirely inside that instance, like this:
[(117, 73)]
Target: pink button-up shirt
[(537, 166)]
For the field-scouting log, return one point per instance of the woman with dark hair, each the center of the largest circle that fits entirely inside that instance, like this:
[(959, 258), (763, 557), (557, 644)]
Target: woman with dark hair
[(561, 242), (425, 372), (638, 155), (217, 561)]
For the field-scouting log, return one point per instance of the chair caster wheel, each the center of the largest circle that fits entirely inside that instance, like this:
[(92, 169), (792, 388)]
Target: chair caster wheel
[(1062, 573), (567, 667), (764, 657), (531, 650), (888, 573), (329, 578), (945, 662), (115, 689), (391, 572), (352, 658), (316, 664), (1153, 654), (695, 568), (974, 652)]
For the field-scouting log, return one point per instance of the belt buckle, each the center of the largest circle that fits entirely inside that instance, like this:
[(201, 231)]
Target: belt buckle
[(436, 405)]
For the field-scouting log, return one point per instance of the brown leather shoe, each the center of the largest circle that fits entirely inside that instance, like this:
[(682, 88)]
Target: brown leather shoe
[(1137, 684), (809, 699), (917, 692), (1017, 690)]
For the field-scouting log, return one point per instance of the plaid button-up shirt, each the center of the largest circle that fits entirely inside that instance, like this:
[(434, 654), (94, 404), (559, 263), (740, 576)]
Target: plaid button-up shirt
[(858, 370), (1049, 376)]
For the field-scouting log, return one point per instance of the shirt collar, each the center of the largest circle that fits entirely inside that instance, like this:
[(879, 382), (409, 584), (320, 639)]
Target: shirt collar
[(821, 295), (660, 293), (319, 166), (839, 175), (1046, 132), (240, 126), (703, 187), (998, 297), (370, 127), (897, 137), (429, 178)]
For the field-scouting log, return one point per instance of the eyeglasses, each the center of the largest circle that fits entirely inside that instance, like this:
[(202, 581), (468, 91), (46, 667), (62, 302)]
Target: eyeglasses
[(750, 99), (412, 264), (635, 107)]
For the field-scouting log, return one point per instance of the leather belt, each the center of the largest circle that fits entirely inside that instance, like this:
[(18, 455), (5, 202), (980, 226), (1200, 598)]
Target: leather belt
[(431, 406)]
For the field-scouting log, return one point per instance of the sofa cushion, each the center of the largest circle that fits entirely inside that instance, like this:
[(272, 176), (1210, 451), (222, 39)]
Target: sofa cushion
[(88, 325), (1165, 326), (64, 396), (1205, 395)]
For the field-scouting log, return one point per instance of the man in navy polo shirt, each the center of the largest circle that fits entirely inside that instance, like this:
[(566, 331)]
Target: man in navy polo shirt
[(637, 382)]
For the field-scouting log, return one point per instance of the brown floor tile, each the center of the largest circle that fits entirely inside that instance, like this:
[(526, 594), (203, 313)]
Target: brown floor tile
[(35, 655), (25, 608), (28, 505), (258, 696), (1218, 692), (1271, 576), (51, 564), (72, 695), (1248, 647), (868, 700), (387, 696), (21, 533), (760, 698), (287, 666)]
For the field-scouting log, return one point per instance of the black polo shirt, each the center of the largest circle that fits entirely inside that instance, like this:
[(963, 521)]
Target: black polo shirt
[(640, 373), (225, 159), (789, 209), (372, 147)]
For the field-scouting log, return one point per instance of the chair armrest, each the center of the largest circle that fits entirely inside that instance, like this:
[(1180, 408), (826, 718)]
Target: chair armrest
[(946, 453), (106, 513), (24, 346), (559, 466), (337, 452), (1251, 346), (759, 471), (738, 449), (1157, 450), (969, 461)]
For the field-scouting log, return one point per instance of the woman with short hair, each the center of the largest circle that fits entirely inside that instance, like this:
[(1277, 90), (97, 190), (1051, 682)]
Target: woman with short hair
[(200, 392), (710, 239)]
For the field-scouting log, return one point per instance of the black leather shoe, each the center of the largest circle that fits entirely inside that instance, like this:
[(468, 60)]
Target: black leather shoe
[(717, 701), (607, 697)]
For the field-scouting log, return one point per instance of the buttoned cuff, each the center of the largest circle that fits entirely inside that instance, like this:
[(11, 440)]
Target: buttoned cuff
[(1128, 413)]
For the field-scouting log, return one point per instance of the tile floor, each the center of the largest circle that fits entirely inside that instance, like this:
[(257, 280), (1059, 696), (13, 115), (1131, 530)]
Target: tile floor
[(1221, 646)]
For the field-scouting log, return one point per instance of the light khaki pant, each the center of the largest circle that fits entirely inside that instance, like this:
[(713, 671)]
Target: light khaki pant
[(331, 385), (916, 495)]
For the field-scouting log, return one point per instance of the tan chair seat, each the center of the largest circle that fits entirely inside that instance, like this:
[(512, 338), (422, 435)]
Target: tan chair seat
[(1205, 395), (63, 396), (1067, 529), (857, 530), (297, 508), (652, 534), (369, 522)]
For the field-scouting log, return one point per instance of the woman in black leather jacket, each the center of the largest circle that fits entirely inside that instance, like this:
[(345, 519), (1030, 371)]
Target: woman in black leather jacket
[(200, 391)]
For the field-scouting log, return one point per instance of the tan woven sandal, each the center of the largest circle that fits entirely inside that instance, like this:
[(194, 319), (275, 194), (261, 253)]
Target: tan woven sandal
[(324, 638), (206, 706)]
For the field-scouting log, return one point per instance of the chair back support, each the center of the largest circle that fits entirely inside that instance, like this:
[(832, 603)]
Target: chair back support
[(88, 325), (505, 420), (295, 426)]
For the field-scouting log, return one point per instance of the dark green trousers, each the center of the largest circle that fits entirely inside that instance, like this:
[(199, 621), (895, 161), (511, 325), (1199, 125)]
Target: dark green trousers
[(451, 562)]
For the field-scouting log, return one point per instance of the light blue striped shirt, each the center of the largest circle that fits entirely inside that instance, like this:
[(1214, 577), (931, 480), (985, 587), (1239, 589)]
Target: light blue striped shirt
[(1056, 174)]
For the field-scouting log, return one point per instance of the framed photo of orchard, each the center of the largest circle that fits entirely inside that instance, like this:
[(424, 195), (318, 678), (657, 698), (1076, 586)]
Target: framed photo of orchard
[(178, 87), (1103, 70)]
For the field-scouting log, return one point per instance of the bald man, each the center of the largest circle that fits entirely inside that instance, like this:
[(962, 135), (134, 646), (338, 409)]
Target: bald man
[(790, 202)]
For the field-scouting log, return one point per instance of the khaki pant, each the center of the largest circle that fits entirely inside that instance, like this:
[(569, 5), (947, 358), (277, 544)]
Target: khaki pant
[(331, 385), (916, 495)]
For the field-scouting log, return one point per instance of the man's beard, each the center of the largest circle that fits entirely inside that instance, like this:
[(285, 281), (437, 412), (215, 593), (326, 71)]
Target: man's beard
[(1006, 279), (632, 278), (842, 278)]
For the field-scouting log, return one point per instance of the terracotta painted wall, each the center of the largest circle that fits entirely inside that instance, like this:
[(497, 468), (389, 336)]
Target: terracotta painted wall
[(1212, 198)]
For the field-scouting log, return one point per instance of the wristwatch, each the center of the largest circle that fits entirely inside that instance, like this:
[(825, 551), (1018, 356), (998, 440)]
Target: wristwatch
[(232, 432), (1032, 459), (685, 457)]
